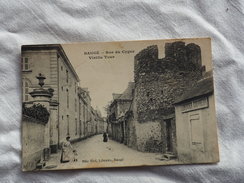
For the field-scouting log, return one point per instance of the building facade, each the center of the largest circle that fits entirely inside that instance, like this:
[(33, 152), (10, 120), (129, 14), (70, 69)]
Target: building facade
[(60, 75), (120, 105), (196, 123), (70, 107)]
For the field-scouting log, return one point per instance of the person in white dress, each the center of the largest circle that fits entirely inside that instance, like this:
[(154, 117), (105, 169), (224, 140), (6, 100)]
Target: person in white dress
[(67, 151)]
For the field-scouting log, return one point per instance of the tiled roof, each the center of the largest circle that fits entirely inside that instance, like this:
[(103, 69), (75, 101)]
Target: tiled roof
[(202, 87)]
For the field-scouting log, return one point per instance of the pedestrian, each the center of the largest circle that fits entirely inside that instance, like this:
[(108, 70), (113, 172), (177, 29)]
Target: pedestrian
[(67, 148), (105, 137), (75, 158)]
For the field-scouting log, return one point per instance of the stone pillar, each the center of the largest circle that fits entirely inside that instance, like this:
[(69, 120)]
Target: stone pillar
[(54, 126), (43, 96)]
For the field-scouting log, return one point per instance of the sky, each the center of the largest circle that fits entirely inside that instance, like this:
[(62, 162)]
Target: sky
[(113, 66)]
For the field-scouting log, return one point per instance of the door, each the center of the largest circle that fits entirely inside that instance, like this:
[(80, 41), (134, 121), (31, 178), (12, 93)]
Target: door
[(196, 136), (169, 144)]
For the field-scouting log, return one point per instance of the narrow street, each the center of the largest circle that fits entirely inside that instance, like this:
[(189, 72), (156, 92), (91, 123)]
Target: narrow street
[(93, 152)]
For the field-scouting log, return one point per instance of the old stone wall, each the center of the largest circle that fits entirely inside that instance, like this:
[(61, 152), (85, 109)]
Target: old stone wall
[(159, 81), (33, 142), (130, 130), (148, 136), (190, 53)]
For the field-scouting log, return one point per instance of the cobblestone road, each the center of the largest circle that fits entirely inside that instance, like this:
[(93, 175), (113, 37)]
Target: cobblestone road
[(93, 152)]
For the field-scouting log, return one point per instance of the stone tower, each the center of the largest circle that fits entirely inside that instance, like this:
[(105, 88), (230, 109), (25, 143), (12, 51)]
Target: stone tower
[(158, 82)]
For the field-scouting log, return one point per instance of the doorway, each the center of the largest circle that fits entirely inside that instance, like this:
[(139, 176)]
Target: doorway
[(169, 143)]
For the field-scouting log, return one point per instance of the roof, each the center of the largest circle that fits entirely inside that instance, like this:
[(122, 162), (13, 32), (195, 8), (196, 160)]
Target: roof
[(83, 93), (57, 47), (128, 94), (116, 95), (201, 88)]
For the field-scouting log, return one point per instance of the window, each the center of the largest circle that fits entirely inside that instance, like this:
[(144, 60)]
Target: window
[(84, 128), (84, 114), (26, 90), (80, 128), (67, 76), (195, 104), (67, 98), (67, 124), (75, 105), (25, 86), (76, 126), (133, 92), (25, 64), (61, 67)]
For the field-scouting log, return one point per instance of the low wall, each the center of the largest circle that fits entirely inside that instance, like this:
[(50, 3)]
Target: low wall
[(148, 136), (32, 142)]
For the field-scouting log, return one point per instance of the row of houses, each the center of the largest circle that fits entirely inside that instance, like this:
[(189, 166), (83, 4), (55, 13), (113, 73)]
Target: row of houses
[(49, 79), (169, 108)]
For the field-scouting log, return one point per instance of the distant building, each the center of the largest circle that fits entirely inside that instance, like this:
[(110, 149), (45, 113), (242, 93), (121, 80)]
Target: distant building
[(196, 123), (116, 113), (91, 121), (85, 111), (101, 125)]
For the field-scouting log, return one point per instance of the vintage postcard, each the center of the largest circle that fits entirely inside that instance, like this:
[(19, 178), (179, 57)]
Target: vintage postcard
[(118, 104)]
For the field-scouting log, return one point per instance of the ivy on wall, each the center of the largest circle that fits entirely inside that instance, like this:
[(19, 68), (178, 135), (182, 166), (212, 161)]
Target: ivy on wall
[(38, 112)]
